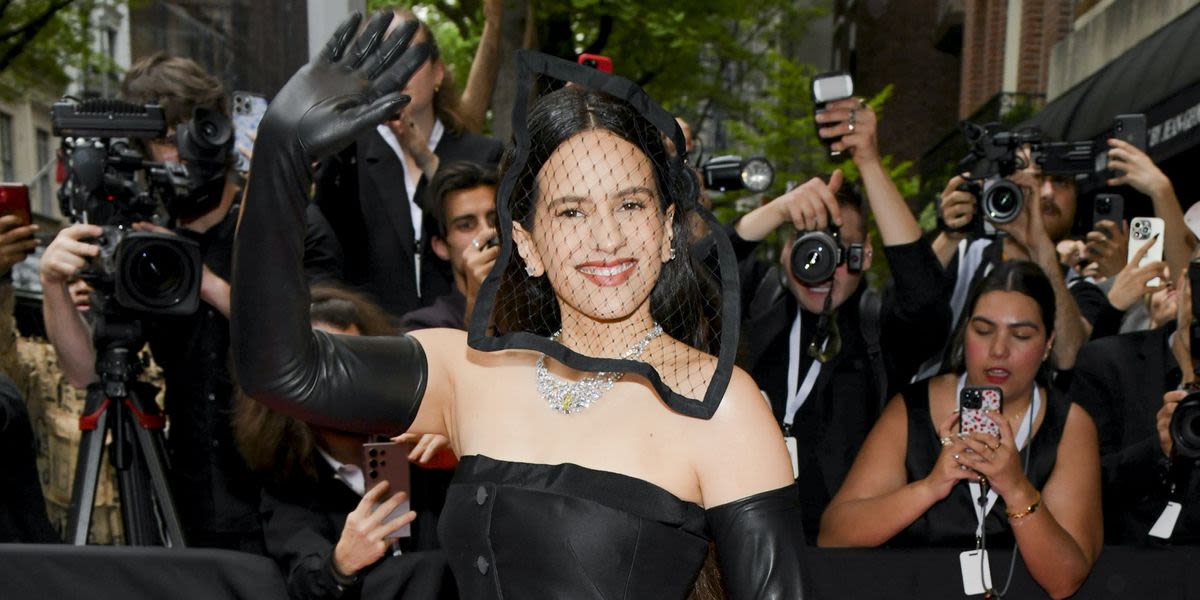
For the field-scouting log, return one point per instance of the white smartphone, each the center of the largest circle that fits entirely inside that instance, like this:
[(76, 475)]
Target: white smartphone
[(248, 111), (1147, 230)]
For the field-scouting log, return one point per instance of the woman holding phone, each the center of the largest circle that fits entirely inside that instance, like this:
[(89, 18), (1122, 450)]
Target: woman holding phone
[(918, 480)]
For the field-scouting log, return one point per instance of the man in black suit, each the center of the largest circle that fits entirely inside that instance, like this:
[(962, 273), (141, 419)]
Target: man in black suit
[(373, 192), (1129, 384)]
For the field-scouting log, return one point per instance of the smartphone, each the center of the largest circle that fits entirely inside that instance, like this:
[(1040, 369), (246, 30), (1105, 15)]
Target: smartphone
[(248, 111), (14, 200), (596, 61), (829, 87), (1147, 230), (1131, 129), (388, 461), (1108, 207), (973, 403)]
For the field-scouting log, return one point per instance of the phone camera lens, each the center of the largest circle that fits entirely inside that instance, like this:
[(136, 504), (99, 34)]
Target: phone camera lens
[(374, 463), (373, 474), (372, 452)]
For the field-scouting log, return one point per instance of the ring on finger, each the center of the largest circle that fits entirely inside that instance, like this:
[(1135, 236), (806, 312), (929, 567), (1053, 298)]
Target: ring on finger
[(475, 243), (862, 103), (851, 126), (962, 467), (946, 441)]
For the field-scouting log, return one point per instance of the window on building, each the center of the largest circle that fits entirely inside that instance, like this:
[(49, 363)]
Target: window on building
[(43, 165), (8, 169)]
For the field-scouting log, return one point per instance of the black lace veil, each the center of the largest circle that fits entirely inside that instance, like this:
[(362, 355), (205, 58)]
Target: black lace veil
[(599, 220)]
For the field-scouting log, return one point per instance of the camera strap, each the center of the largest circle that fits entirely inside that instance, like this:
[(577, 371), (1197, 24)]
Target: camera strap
[(1023, 433), (797, 396)]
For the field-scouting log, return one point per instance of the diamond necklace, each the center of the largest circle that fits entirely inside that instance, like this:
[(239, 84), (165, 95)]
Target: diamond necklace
[(570, 397)]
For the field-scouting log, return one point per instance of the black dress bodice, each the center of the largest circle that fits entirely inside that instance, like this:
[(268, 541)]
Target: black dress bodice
[(952, 521), (521, 530)]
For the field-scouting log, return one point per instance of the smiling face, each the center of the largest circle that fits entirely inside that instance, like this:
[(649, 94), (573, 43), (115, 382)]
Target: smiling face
[(1006, 342), (597, 233)]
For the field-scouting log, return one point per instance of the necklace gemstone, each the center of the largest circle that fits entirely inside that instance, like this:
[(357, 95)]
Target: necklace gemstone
[(570, 397)]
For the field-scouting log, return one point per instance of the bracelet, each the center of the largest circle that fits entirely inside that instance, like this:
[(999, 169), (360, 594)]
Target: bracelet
[(1028, 511)]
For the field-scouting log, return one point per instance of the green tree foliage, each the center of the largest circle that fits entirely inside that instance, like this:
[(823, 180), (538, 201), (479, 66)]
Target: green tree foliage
[(41, 41)]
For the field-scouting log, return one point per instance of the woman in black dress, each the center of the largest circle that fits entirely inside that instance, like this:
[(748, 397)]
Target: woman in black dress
[(916, 481), (572, 483)]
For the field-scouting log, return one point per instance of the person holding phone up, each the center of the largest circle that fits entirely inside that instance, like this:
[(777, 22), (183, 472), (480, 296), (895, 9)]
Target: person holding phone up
[(1039, 479)]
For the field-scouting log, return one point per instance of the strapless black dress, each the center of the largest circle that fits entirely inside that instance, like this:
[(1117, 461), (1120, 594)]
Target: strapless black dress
[(528, 531)]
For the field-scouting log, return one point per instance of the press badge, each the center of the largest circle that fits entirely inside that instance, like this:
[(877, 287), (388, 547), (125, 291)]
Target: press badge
[(976, 579), (1165, 525), (794, 453)]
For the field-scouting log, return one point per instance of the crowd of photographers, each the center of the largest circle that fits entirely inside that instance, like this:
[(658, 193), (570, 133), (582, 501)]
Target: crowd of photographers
[(406, 216)]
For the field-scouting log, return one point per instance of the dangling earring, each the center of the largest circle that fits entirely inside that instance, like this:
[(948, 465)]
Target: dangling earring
[(530, 271), (672, 255)]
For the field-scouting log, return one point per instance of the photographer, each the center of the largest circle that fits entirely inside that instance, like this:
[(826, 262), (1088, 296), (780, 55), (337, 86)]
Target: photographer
[(1130, 384), (829, 414), (214, 492), (463, 204), (1047, 214)]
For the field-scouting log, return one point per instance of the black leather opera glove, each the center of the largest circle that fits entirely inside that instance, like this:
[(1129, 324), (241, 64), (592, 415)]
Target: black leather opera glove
[(358, 384), (760, 545)]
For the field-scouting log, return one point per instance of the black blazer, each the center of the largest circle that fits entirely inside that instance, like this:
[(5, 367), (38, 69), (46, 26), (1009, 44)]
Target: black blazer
[(1120, 380), (361, 192)]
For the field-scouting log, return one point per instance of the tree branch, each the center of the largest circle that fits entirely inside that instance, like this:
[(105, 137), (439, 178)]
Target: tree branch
[(27, 32)]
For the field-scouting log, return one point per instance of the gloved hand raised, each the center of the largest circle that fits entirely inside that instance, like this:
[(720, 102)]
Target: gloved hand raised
[(355, 83)]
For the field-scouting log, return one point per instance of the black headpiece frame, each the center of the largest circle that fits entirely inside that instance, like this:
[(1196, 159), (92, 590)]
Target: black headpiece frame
[(531, 64)]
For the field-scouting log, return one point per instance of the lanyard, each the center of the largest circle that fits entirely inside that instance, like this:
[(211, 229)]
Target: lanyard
[(797, 397), (1022, 435)]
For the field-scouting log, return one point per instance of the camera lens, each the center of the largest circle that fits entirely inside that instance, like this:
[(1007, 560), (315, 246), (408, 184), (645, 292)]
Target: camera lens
[(156, 273), (814, 257), (1001, 201), (1185, 427), (1104, 205)]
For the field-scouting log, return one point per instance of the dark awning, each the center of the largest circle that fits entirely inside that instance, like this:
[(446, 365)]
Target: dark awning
[(1160, 77)]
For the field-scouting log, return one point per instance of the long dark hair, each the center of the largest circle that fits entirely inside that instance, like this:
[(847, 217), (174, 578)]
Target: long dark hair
[(1022, 277), (678, 300)]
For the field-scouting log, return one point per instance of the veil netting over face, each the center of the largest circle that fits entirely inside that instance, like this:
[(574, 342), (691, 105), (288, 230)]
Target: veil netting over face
[(608, 263)]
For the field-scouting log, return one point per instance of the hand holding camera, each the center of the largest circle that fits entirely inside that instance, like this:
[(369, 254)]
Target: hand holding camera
[(849, 126), (69, 253), (811, 206), (957, 207), (1027, 227)]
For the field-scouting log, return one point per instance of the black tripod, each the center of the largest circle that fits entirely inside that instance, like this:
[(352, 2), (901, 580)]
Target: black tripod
[(119, 403)]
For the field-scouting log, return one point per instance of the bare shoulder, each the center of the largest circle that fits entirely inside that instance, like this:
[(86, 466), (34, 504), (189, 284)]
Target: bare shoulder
[(740, 450)]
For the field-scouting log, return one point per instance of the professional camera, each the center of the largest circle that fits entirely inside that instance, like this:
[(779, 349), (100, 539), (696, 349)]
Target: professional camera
[(111, 183), (995, 153), (148, 272), (731, 172), (816, 255)]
